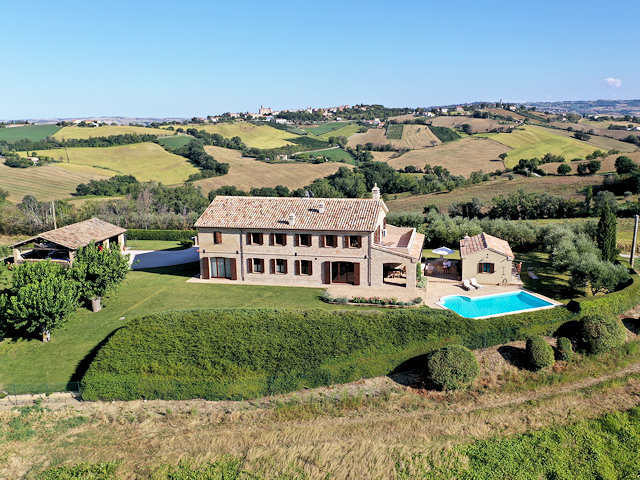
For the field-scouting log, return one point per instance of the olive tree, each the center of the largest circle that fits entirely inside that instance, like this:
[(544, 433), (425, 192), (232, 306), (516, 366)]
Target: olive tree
[(40, 299), (98, 272)]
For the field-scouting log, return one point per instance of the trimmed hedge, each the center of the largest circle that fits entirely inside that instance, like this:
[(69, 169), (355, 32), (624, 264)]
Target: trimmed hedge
[(601, 333), (451, 368), (171, 235), (539, 353), (243, 353), (565, 348)]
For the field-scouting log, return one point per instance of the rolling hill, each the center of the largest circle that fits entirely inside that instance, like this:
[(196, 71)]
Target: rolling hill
[(87, 132), (28, 132)]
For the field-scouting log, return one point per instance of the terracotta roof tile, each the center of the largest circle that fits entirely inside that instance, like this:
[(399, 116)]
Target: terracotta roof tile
[(470, 245), (81, 234), (340, 214)]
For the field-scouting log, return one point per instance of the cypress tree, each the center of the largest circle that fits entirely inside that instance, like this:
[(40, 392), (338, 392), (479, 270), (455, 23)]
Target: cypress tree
[(607, 234)]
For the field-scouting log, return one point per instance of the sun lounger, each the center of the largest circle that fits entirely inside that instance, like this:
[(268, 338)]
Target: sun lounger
[(466, 285), (475, 283)]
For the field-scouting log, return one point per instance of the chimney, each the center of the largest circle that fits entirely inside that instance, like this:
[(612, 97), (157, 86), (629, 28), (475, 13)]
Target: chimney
[(321, 207), (375, 192), (292, 219)]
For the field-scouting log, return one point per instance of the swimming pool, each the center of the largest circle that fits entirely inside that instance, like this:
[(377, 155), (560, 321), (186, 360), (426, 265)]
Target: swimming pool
[(493, 305)]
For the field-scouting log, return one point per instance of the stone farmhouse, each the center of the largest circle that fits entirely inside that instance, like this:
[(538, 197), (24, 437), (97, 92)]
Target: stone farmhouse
[(306, 241), (488, 258)]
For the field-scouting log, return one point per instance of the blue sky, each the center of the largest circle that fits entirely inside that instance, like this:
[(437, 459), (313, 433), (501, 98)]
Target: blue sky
[(204, 57)]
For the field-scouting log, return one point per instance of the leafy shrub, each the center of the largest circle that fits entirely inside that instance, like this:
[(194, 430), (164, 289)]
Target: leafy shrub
[(452, 367), (539, 353), (600, 333), (565, 349), (83, 471), (170, 235)]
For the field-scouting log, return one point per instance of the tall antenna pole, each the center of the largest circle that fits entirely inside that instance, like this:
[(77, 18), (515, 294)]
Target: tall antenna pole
[(53, 212), (634, 244)]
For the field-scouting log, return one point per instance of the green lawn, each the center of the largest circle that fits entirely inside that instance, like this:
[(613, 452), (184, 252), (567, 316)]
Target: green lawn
[(175, 141), (152, 244), (29, 132), (30, 365), (346, 130), (325, 128)]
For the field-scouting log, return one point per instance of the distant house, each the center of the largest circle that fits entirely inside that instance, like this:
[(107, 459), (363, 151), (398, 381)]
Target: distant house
[(61, 244), (487, 258), (265, 111), (306, 241)]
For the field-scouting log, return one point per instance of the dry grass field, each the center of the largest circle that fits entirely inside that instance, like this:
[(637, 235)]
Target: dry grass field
[(461, 157), (477, 124), (106, 131), (50, 182), (246, 173), (505, 113), (369, 427), (258, 136), (568, 187), (608, 163), (145, 161), (603, 143), (600, 130), (403, 118), (413, 136)]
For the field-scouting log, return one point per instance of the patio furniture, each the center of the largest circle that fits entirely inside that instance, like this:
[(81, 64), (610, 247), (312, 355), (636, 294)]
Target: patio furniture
[(466, 285), (475, 283)]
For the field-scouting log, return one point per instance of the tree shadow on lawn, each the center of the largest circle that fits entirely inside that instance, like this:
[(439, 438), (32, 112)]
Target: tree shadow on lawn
[(409, 373), (84, 364), (632, 324), (515, 356), (182, 270)]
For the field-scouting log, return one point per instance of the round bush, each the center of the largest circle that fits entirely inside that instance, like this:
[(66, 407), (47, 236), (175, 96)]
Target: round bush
[(452, 367), (539, 353), (601, 333), (565, 349)]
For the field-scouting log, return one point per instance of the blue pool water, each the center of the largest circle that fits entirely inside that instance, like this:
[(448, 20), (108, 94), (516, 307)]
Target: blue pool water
[(501, 303)]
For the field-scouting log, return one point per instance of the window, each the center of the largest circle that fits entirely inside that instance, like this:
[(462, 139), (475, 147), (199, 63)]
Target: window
[(306, 267), (217, 237), (330, 241), (280, 239), (485, 268), (255, 238), (255, 265), (355, 241), (220, 267), (304, 240), (281, 265)]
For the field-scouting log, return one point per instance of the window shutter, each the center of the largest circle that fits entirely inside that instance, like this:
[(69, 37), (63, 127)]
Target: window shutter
[(248, 238), (356, 274), (345, 241), (326, 267), (297, 267), (234, 271), (323, 240), (205, 268), (286, 266), (491, 267), (217, 237), (272, 266), (479, 268), (249, 265), (261, 239), (284, 239), (296, 239), (271, 239), (310, 267)]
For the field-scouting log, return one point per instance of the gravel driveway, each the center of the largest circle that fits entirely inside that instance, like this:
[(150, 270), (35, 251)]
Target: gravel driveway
[(143, 259)]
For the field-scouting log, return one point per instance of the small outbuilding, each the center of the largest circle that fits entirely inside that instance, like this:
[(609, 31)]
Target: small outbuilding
[(487, 258), (61, 244)]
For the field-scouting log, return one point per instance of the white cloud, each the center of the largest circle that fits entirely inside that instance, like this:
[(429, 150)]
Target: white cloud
[(613, 82)]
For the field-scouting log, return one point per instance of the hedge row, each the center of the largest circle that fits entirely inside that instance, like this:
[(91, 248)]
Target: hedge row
[(242, 353), (171, 235)]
